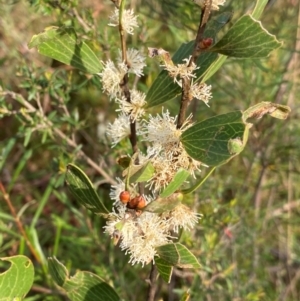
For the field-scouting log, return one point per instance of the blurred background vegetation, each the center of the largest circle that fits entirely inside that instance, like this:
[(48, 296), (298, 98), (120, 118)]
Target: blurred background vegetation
[(248, 241)]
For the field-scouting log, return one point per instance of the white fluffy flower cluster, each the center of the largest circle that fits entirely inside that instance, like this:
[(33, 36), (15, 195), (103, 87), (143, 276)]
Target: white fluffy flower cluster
[(200, 91), (166, 153), (129, 20), (111, 78), (139, 235)]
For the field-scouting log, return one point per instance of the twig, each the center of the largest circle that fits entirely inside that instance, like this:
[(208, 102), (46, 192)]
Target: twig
[(19, 223), (202, 25), (152, 283), (60, 134), (86, 27), (126, 92), (124, 82), (186, 82)]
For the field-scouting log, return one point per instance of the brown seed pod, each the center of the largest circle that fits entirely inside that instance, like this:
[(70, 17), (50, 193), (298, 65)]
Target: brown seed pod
[(124, 197)]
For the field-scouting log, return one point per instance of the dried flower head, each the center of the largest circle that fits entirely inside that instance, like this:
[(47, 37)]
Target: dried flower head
[(201, 91), (181, 70), (214, 6)]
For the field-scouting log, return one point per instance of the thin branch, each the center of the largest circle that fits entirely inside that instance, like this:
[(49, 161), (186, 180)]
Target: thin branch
[(19, 223), (125, 88), (186, 82), (152, 283), (86, 27), (60, 134), (204, 17), (124, 82)]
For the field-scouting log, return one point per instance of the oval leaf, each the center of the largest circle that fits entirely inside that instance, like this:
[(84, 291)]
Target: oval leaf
[(207, 141), (164, 268), (63, 45), (247, 39), (83, 190), (83, 286), (177, 181), (178, 255), (18, 279), (141, 173)]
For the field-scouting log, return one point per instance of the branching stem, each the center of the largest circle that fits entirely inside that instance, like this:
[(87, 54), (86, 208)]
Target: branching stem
[(186, 82)]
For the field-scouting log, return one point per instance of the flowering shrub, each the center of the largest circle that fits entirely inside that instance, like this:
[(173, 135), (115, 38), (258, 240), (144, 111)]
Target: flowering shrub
[(168, 152)]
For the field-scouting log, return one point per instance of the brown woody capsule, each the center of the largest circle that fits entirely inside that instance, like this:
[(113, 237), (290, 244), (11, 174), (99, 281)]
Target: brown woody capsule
[(124, 197)]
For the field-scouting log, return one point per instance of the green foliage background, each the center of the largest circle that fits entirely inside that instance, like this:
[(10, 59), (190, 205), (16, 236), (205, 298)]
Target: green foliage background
[(248, 240)]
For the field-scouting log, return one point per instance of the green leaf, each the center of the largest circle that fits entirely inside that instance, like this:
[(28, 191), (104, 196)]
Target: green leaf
[(177, 181), (83, 190), (6, 148), (63, 45), (164, 268), (141, 173), (246, 39), (178, 255), (18, 279), (216, 24), (186, 296), (164, 88), (34, 239), (207, 141), (216, 140), (58, 271), (124, 161), (161, 205), (83, 286), (214, 67)]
